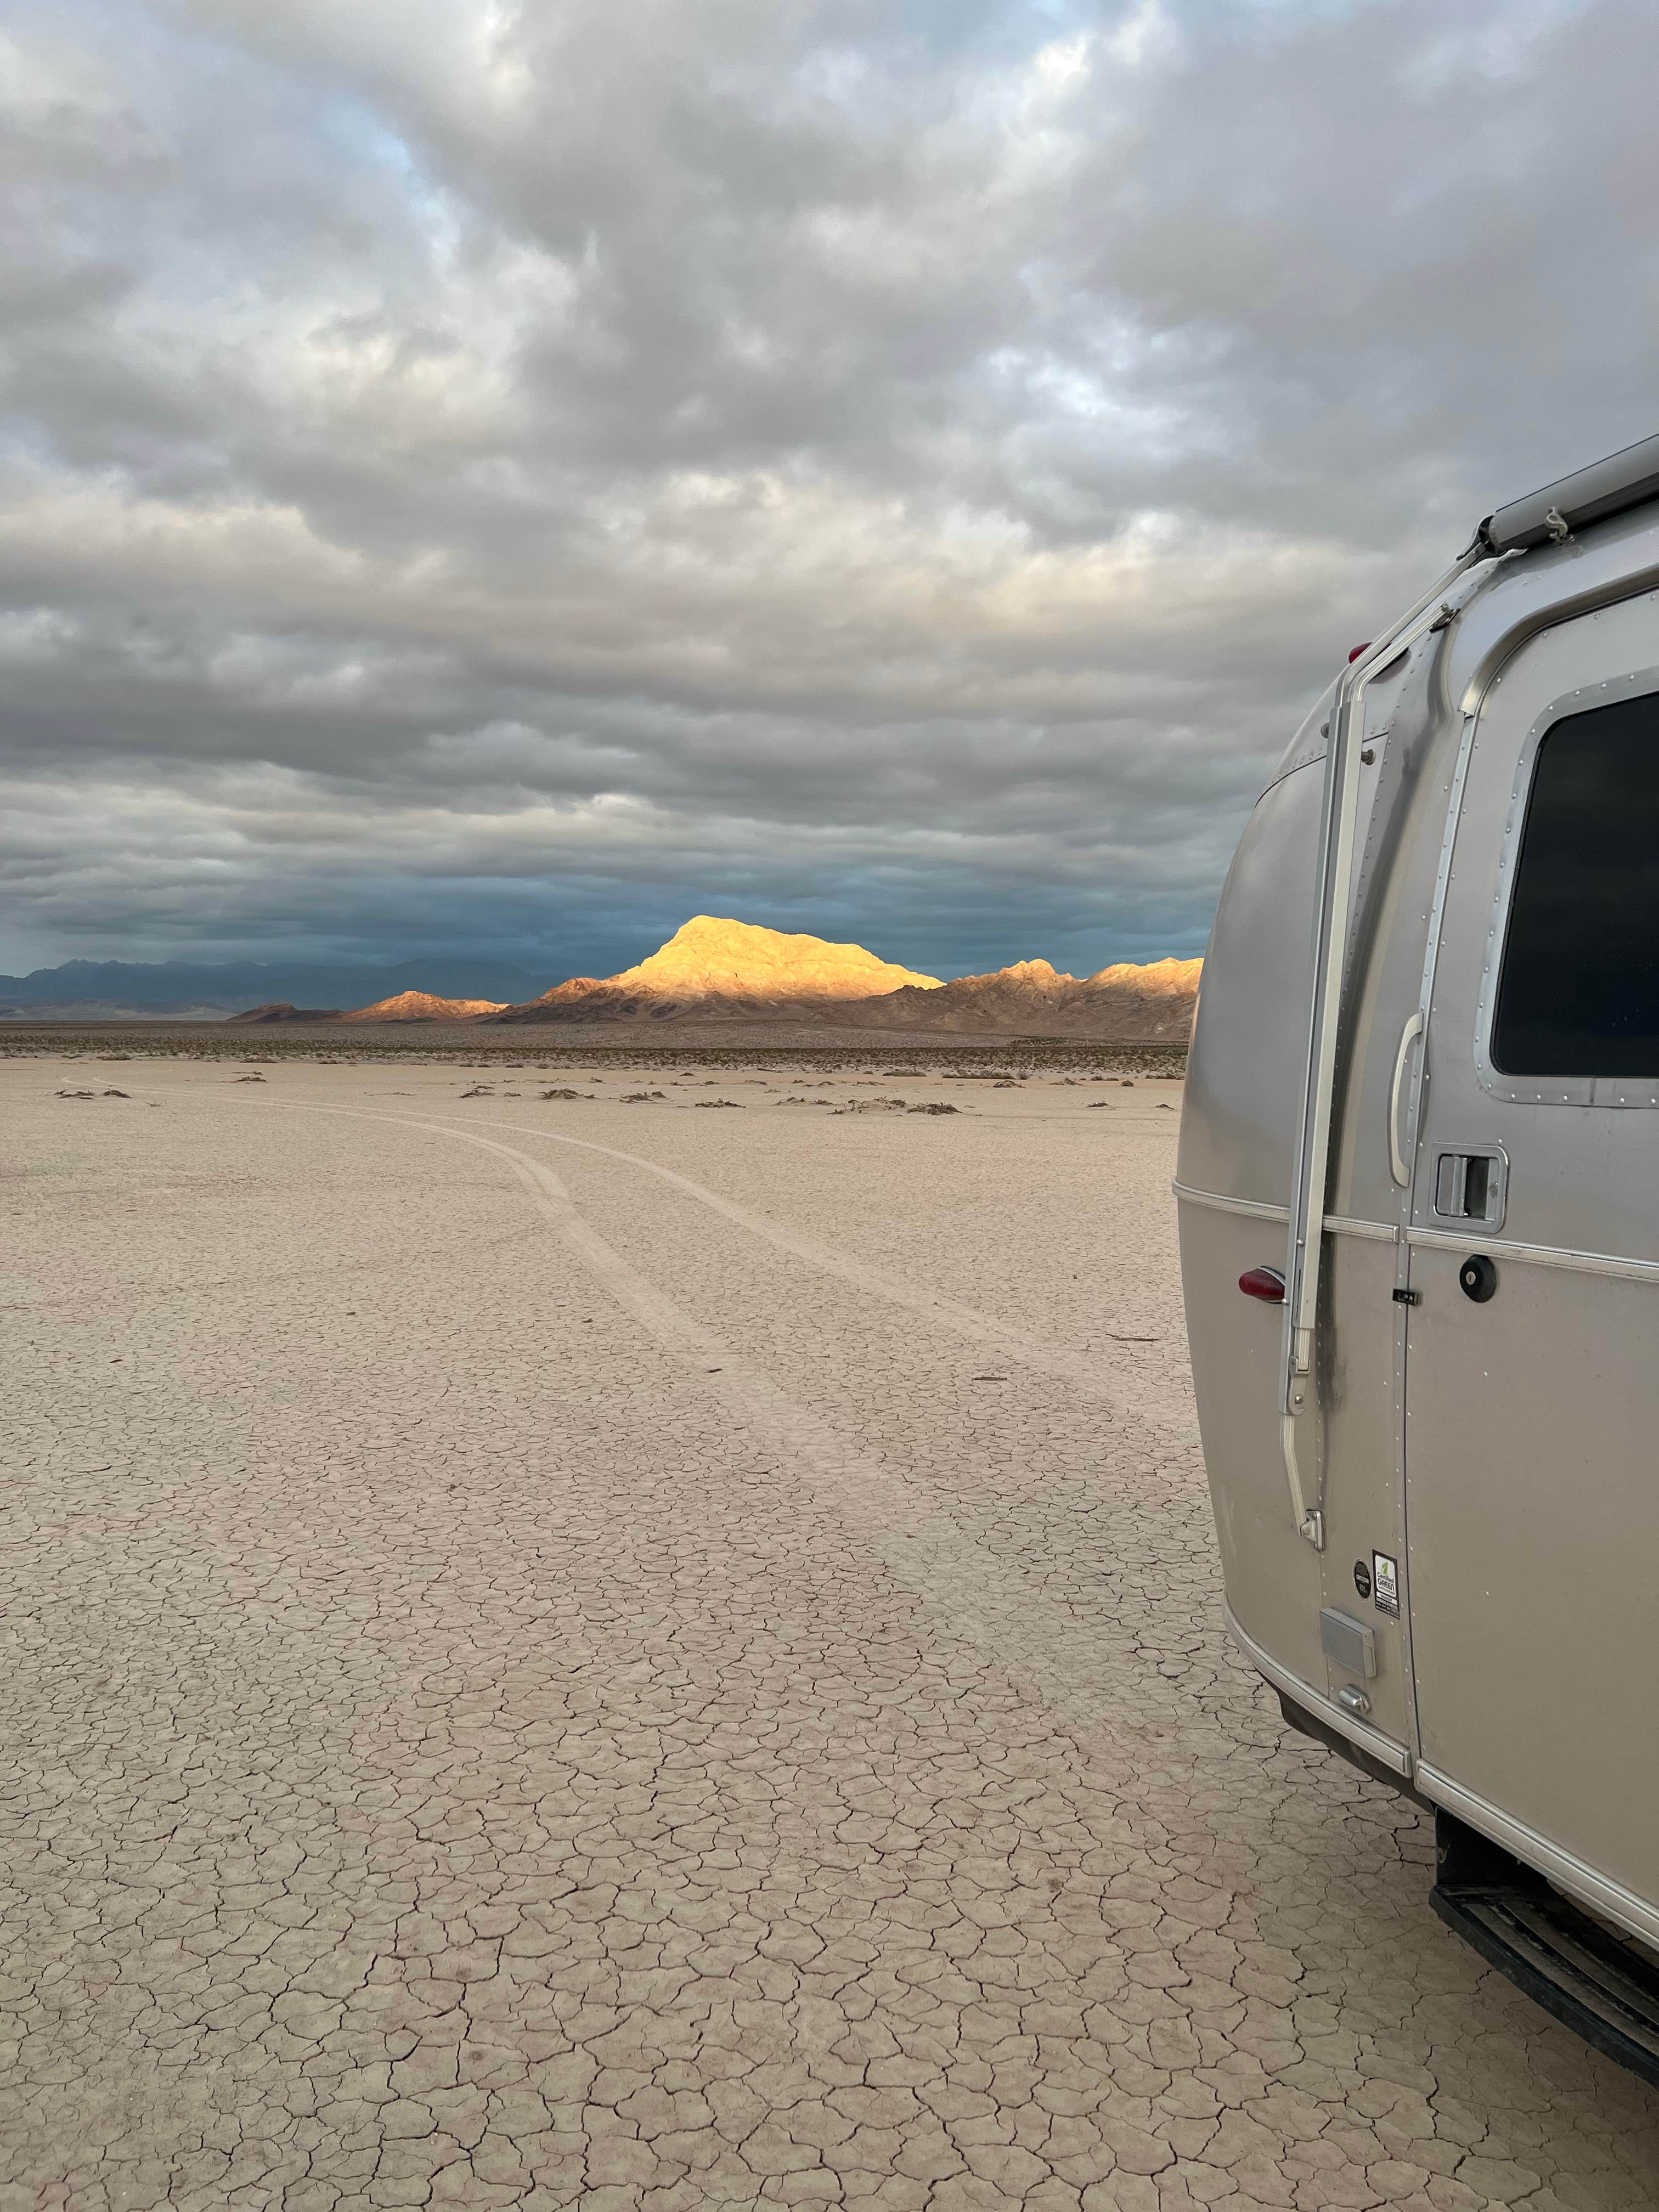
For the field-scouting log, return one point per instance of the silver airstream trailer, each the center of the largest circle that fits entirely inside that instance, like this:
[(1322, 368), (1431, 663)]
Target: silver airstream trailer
[(1419, 1192)]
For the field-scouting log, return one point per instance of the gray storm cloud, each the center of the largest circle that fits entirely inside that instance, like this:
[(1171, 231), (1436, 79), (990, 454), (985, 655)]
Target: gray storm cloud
[(497, 477)]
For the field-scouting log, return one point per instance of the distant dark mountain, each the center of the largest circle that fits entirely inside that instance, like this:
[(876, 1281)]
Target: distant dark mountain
[(186, 987), (407, 1006)]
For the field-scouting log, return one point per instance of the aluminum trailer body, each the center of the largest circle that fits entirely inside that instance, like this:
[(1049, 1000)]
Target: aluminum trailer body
[(1419, 1197)]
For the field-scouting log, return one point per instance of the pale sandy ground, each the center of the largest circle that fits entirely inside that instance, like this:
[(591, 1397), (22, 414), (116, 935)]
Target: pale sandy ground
[(525, 1687)]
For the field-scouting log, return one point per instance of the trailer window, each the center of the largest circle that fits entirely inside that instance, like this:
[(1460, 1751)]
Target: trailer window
[(1579, 992)]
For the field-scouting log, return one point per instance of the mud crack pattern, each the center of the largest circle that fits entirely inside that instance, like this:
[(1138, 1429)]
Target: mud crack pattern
[(534, 1682)]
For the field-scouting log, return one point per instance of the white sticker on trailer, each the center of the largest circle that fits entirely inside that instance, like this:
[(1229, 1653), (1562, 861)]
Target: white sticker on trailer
[(1385, 1581)]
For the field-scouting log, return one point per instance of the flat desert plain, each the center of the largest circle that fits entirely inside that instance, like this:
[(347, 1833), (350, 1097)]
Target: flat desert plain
[(563, 1652)]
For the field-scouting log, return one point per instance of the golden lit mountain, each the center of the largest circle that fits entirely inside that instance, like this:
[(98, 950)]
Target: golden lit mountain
[(714, 965), (709, 958)]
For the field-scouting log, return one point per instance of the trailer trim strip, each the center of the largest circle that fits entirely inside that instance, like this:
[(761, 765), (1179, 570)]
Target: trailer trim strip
[(1256, 1209), (1538, 1255), (1253, 1209), (1632, 1913), (1374, 1232)]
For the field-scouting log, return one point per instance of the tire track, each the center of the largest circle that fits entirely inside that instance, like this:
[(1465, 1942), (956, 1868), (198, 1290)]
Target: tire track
[(1179, 1425), (979, 1328), (973, 1592)]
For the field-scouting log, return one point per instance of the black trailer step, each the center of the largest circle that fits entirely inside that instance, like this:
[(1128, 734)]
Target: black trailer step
[(1602, 1989)]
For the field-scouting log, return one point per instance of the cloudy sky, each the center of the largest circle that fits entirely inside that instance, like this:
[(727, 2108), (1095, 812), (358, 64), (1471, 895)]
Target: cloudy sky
[(500, 478)]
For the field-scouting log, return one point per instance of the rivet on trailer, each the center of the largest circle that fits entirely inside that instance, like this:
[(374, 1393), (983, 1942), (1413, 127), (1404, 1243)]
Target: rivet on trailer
[(1418, 1190)]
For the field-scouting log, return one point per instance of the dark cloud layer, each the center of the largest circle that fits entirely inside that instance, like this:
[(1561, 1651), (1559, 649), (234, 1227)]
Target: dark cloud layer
[(505, 477)]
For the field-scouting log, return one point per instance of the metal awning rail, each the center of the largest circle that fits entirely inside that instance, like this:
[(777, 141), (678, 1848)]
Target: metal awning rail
[(1339, 828), (1625, 479)]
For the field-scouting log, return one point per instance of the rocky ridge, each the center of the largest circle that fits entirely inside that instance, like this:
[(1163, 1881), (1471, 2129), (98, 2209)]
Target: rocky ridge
[(714, 970), (421, 1006), (405, 1006), (281, 1010), (1142, 1004)]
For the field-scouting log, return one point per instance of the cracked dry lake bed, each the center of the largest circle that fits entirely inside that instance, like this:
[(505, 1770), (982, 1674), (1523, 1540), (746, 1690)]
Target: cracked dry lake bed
[(560, 1655)]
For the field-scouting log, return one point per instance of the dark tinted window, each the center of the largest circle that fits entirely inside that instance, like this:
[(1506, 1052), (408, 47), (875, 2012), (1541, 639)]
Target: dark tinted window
[(1579, 990)]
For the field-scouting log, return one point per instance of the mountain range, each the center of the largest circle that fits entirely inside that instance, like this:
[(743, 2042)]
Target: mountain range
[(1125, 1003), (716, 970), (202, 989)]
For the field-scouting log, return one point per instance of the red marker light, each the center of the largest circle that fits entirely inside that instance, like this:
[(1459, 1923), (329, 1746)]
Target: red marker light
[(1263, 1283), (1357, 650)]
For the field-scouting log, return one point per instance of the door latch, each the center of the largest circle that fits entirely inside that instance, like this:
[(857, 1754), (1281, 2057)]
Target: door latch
[(1471, 1185), (1405, 1297)]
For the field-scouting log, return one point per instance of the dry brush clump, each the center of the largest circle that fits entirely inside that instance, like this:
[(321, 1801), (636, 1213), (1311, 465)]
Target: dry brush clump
[(997, 1063)]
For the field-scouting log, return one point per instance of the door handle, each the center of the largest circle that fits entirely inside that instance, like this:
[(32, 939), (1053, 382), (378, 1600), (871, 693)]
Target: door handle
[(1397, 1160)]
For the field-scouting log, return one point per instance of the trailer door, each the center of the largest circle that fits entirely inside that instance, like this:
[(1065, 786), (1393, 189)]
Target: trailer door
[(1532, 1372)]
